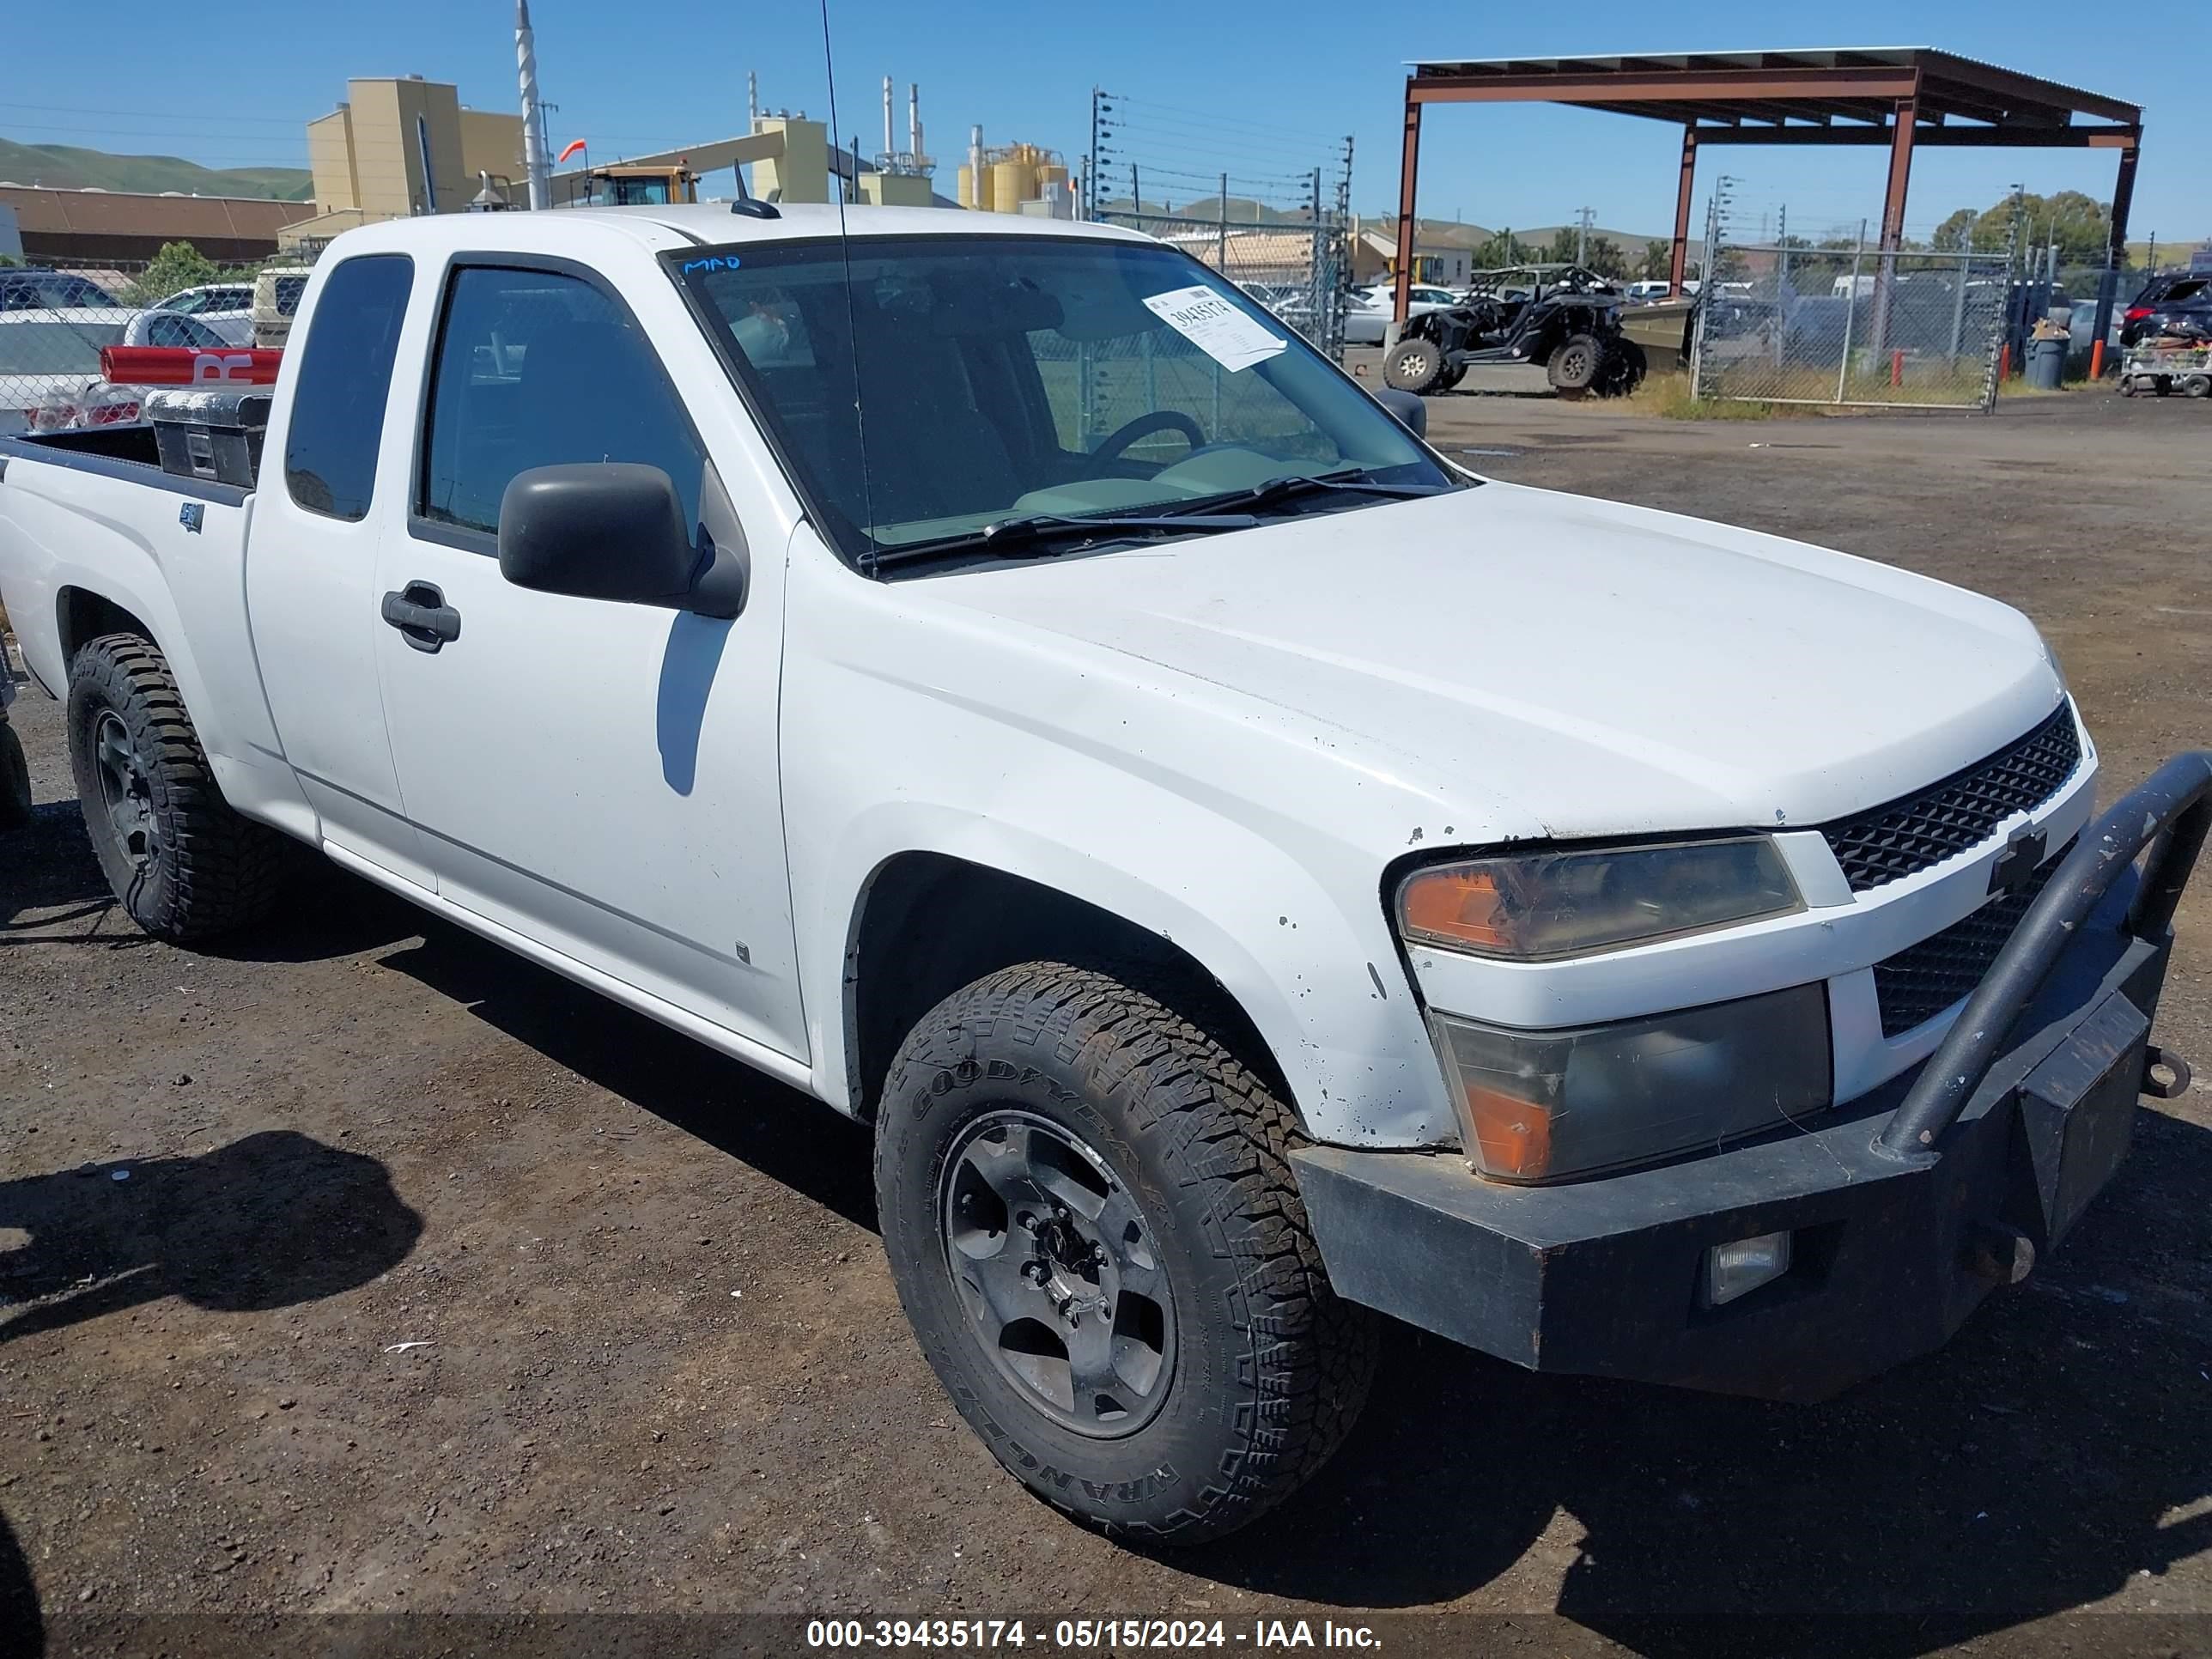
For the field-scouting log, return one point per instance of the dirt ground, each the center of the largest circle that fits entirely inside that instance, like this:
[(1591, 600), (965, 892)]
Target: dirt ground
[(359, 1267)]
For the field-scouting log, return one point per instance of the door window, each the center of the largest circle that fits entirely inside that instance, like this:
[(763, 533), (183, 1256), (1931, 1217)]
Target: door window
[(345, 375), (536, 368)]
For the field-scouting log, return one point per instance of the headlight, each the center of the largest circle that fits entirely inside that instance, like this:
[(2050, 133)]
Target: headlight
[(1535, 905), (1541, 1105)]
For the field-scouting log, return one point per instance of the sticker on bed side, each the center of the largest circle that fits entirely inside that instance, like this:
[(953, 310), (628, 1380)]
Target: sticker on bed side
[(1215, 326)]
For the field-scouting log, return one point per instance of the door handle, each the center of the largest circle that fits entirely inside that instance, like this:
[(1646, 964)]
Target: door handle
[(423, 618)]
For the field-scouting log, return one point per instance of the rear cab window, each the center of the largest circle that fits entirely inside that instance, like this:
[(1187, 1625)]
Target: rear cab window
[(337, 423)]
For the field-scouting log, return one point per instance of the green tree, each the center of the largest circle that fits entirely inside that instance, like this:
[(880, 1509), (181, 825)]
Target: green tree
[(1605, 257), (1657, 263), (179, 264), (1954, 234), (1503, 248), (2079, 223)]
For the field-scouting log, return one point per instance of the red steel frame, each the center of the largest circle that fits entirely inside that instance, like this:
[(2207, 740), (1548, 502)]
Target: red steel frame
[(1903, 103)]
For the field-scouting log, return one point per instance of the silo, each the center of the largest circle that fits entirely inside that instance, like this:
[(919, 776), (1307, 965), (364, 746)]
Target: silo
[(1013, 183)]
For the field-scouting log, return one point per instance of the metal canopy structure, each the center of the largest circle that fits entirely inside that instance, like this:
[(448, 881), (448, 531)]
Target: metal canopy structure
[(1899, 96)]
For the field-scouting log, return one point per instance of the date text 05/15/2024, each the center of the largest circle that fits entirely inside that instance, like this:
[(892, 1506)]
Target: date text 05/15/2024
[(1084, 1635)]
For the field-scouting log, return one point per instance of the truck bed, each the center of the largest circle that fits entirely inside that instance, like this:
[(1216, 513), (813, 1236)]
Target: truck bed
[(119, 451), (94, 537)]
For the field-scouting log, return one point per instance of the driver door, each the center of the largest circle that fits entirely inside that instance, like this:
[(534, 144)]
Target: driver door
[(599, 777)]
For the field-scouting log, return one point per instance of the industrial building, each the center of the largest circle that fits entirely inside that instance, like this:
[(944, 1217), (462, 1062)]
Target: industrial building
[(1016, 179), (402, 146), (99, 228)]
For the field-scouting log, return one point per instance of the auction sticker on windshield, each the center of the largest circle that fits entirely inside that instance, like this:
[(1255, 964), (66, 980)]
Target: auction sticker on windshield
[(1215, 326)]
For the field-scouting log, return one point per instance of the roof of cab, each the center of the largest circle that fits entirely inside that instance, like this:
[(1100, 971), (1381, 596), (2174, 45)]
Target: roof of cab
[(707, 224)]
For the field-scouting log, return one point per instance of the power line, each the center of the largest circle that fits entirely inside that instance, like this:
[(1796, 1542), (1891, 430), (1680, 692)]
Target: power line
[(158, 114)]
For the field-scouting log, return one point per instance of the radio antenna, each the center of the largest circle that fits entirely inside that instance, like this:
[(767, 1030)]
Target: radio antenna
[(851, 322)]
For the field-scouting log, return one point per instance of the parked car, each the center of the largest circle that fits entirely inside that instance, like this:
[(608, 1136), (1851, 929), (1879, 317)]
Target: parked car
[(2177, 306), (1648, 291), (34, 289), (50, 374), (225, 307), (1368, 315), (1247, 871)]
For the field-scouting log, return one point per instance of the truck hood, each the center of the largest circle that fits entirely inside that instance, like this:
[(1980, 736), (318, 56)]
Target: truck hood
[(1528, 662)]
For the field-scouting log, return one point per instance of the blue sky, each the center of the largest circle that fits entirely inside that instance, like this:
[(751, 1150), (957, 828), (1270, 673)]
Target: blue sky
[(636, 78)]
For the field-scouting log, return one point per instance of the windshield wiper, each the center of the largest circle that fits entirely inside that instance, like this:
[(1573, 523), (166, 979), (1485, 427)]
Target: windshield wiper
[(1010, 537), (1300, 484)]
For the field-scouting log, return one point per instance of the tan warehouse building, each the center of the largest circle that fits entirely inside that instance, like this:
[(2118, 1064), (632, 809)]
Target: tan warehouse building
[(404, 146)]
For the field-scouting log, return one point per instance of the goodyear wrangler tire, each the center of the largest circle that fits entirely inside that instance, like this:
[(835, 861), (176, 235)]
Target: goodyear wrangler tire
[(181, 861), (1094, 1229)]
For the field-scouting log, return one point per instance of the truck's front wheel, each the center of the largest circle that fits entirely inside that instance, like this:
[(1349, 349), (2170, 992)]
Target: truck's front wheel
[(181, 861), (1093, 1227)]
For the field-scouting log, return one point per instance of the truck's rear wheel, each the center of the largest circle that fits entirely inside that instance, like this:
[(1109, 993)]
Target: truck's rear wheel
[(1093, 1227), (181, 860)]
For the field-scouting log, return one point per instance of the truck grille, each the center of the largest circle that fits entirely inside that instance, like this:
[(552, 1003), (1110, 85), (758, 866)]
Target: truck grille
[(1915, 831), (1922, 980)]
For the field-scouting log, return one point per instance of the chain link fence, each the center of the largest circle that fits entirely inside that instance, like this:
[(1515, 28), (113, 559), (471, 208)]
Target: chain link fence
[(1269, 208), (57, 318), (1295, 271), (1783, 324)]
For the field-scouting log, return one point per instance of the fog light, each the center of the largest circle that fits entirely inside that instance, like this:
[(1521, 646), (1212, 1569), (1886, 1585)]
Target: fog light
[(1736, 1269)]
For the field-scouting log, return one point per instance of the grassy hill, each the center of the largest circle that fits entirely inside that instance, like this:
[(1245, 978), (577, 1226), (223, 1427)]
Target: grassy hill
[(67, 167)]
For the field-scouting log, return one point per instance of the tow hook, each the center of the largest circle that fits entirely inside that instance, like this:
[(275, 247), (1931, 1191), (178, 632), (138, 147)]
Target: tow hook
[(2156, 1059)]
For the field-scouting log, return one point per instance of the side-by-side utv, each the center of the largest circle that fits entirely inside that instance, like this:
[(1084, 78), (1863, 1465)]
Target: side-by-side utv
[(1564, 319)]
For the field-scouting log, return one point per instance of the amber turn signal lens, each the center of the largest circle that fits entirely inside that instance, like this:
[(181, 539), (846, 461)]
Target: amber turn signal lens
[(1513, 1138), (1460, 902)]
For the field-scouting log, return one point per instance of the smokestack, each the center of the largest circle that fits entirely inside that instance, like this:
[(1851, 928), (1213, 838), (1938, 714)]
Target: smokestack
[(913, 118), (890, 142), (976, 166), (752, 101), (533, 111)]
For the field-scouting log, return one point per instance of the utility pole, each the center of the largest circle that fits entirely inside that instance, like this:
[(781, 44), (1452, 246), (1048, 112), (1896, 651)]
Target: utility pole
[(534, 161), (1584, 218)]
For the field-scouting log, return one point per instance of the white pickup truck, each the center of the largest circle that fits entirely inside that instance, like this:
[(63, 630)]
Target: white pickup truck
[(992, 676)]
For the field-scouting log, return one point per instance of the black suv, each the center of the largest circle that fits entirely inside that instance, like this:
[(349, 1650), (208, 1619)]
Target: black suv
[(2180, 306)]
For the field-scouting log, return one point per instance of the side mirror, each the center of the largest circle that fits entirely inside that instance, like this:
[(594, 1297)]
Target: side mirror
[(1413, 414), (602, 529)]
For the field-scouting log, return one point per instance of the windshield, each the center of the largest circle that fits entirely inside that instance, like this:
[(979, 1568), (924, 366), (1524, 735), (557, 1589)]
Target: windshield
[(45, 348), (1002, 377)]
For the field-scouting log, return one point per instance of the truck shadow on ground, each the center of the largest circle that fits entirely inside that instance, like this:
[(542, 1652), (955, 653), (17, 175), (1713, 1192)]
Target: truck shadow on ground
[(788, 1136), (2033, 1465), (269, 1221), (47, 867), (20, 1614)]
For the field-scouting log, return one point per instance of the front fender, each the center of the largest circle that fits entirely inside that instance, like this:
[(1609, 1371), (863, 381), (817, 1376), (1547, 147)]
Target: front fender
[(893, 745)]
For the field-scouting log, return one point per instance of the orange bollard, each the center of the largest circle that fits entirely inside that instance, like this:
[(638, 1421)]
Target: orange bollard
[(2004, 361), (2097, 361), (1897, 368)]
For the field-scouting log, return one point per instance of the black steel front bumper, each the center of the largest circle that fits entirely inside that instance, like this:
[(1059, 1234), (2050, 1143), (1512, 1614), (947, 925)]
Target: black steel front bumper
[(1907, 1209)]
